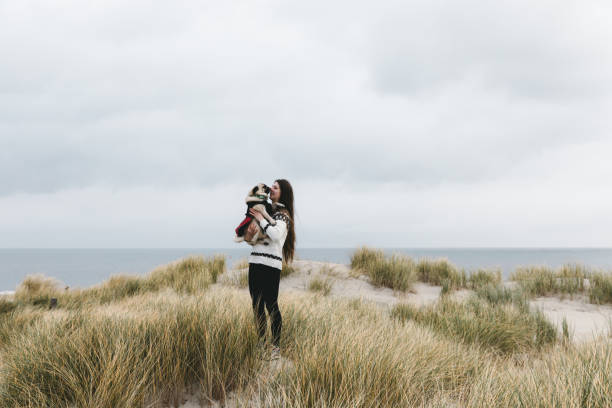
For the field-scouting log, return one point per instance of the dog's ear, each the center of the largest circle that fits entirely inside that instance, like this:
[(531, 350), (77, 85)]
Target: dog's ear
[(254, 190), (266, 189)]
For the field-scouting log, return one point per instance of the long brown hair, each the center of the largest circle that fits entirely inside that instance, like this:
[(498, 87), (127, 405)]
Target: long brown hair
[(286, 198)]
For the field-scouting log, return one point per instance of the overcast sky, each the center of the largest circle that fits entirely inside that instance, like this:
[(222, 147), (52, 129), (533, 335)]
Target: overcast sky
[(399, 123)]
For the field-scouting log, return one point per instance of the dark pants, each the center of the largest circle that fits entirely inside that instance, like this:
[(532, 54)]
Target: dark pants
[(263, 287)]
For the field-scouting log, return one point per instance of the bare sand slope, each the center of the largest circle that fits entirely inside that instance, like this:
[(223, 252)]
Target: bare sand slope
[(352, 286), (585, 320)]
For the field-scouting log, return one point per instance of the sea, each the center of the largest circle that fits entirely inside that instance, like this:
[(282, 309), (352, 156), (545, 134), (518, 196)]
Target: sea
[(86, 267)]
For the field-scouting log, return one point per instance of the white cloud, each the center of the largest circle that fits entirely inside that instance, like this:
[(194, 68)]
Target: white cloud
[(474, 123)]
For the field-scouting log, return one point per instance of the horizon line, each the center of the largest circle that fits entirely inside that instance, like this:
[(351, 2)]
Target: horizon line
[(308, 247)]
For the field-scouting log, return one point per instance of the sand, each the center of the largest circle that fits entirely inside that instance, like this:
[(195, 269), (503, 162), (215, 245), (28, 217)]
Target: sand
[(584, 319)]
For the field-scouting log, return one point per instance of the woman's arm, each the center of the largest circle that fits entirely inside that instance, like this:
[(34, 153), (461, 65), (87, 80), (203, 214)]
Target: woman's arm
[(275, 232)]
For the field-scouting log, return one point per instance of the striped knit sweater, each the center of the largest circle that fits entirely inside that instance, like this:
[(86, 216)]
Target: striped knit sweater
[(270, 251)]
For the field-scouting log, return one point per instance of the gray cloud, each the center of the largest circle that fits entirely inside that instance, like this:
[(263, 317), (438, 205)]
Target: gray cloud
[(421, 95), (545, 50)]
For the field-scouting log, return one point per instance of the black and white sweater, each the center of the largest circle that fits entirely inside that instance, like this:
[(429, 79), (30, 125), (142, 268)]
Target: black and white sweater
[(270, 251)]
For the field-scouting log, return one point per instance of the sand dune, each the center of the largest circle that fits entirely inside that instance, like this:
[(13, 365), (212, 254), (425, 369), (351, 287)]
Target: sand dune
[(585, 320)]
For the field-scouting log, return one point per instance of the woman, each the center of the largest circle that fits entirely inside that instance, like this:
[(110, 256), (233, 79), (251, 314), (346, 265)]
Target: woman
[(266, 261)]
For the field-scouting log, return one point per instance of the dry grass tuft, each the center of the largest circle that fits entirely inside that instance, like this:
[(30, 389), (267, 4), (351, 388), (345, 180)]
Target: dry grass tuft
[(544, 281), (320, 285), (241, 264), (441, 272), (600, 288), (37, 290), (287, 270), (501, 327), (570, 279), (189, 275), (397, 272), (576, 376), (85, 359)]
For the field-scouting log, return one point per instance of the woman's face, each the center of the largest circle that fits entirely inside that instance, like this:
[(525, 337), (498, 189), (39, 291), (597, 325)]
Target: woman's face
[(275, 192)]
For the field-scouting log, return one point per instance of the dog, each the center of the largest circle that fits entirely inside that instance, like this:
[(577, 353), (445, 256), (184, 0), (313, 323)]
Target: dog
[(257, 198)]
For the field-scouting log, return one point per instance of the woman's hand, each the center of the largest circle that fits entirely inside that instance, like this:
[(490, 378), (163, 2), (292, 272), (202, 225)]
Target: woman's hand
[(251, 231), (258, 216)]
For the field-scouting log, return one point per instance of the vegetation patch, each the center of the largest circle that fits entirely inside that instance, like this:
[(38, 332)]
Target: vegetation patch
[(501, 295), (95, 360), (544, 281), (144, 342), (320, 285), (241, 264), (600, 288), (570, 279), (575, 376), (441, 272), (484, 277), (350, 354), (239, 279), (6, 306), (503, 328), (287, 269), (188, 275), (397, 272)]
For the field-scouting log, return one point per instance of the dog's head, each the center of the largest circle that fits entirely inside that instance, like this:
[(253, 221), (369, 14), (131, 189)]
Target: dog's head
[(259, 192)]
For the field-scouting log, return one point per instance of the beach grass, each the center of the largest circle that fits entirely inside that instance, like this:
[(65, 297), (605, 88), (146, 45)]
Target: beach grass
[(320, 285), (576, 376), (397, 272), (600, 287), (400, 272), (568, 280), (484, 277), (153, 351), (241, 264), (542, 280), (286, 270), (501, 327), (365, 257), (239, 279), (7, 305), (441, 272), (14, 322), (151, 343), (358, 356), (188, 275), (500, 295)]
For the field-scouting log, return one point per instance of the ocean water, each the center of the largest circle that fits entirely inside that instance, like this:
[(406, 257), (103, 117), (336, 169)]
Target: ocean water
[(86, 267)]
